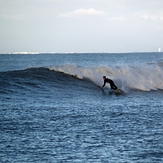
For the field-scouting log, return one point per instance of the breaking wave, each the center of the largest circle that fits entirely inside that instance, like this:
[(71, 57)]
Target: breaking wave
[(145, 77)]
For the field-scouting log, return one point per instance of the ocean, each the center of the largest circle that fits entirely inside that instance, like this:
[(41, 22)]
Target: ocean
[(52, 108)]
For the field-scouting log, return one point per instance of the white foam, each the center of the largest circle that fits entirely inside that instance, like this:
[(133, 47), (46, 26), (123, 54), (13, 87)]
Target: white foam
[(141, 77)]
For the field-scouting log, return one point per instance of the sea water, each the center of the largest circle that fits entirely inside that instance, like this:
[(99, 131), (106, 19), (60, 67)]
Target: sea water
[(52, 108)]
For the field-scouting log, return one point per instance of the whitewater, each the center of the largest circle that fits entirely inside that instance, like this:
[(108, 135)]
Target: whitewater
[(52, 107)]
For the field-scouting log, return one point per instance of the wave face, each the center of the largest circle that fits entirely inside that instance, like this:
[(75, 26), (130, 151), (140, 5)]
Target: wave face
[(41, 81)]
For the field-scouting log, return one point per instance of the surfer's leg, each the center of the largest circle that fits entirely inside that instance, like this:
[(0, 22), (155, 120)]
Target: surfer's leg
[(113, 86)]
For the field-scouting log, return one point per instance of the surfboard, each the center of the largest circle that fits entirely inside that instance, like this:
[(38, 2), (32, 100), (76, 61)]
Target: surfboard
[(118, 91), (112, 92)]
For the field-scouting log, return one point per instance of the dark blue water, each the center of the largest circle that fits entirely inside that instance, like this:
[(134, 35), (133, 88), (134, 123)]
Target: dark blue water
[(52, 108)]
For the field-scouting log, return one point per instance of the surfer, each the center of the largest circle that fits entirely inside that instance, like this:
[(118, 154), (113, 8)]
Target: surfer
[(112, 85)]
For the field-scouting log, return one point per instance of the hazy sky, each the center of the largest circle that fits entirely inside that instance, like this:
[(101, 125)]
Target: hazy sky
[(81, 25)]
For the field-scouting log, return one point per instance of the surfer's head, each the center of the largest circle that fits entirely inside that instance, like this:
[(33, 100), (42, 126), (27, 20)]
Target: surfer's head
[(104, 77)]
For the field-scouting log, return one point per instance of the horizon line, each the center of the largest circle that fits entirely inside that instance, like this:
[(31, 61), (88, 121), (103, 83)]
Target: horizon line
[(80, 52)]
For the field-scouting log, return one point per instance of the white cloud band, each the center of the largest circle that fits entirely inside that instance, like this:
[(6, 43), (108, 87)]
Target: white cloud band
[(82, 13)]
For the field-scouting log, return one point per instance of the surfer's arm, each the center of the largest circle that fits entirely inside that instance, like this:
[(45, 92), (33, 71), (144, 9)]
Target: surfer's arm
[(104, 84)]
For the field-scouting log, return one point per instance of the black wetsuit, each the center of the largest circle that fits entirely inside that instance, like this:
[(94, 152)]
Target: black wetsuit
[(112, 85)]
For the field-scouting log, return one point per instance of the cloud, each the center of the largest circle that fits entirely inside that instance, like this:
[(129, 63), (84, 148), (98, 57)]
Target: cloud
[(83, 13), (147, 15)]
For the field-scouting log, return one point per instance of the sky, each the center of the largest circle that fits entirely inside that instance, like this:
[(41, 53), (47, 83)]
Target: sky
[(83, 26)]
